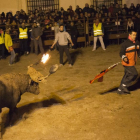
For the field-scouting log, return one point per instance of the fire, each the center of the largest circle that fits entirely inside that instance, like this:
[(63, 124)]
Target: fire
[(45, 57)]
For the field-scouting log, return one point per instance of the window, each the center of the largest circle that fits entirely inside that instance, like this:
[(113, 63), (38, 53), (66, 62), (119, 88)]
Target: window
[(43, 4), (99, 3)]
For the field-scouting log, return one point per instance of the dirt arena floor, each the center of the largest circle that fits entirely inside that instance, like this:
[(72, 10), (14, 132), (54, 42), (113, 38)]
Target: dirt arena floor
[(69, 107)]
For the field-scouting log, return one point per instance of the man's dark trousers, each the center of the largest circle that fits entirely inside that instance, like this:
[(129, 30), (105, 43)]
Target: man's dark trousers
[(130, 75), (23, 45), (2, 50), (65, 49)]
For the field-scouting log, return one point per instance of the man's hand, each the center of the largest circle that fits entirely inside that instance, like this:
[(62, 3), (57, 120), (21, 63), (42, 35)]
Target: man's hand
[(72, 44), (126, 60), (37, 38), (52, 47)]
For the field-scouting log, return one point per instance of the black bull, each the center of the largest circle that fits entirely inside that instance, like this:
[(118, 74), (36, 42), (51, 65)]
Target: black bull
[(12, 86)]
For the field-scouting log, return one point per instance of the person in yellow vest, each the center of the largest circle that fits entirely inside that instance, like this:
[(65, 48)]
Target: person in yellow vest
[(23, 37), (2, 46), (8, 45), (98, 32)]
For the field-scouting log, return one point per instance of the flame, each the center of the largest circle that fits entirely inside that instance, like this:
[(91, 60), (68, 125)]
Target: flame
[(45, 57)]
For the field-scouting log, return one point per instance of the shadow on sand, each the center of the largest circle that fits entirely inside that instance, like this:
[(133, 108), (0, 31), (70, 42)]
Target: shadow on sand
[(24, 111), (74, 55), (134, 87)]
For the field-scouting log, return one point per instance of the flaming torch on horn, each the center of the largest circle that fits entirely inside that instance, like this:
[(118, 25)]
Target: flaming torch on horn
[(37, 76), (45, 58)]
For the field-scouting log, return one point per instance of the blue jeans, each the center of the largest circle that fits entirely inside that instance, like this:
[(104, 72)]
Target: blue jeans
[(12, 57)]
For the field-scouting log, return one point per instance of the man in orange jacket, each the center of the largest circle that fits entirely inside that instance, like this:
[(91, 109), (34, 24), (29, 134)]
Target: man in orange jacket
[(130, 49)]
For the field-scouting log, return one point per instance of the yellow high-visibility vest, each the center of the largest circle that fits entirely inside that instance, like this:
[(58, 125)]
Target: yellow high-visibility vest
[(23, 33), (2, 38), (8, 41), (97, 29)]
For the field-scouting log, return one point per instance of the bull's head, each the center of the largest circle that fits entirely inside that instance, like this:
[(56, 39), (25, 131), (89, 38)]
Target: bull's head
[(33, 87), (37, 76)]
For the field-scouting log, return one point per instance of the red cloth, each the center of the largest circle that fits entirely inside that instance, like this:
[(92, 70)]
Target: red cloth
[(129, 37)]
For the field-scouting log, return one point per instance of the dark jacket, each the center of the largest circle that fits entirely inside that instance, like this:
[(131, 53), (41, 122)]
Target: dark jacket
[(36, 32), (130, 50), (73, 31)]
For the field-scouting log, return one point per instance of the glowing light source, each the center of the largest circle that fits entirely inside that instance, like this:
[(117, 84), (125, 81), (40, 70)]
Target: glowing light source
[(45, 57)]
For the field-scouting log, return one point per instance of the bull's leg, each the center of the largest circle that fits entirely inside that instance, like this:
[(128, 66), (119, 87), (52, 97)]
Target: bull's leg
[(12, 112)]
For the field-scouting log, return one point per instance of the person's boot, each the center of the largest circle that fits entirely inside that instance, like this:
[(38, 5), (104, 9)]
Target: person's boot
[(123, 90)]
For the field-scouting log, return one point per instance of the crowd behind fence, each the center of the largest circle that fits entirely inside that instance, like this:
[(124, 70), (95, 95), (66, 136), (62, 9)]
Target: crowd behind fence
[(115, 21)]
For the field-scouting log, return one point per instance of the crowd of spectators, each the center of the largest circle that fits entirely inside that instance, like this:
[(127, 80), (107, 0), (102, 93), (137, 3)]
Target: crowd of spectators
[(49, 20)]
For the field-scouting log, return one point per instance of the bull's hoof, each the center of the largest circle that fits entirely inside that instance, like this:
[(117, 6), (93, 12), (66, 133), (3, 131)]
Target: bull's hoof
[(25, 116)]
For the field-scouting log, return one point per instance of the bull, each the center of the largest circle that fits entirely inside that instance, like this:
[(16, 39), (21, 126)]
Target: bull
[(12, 86)]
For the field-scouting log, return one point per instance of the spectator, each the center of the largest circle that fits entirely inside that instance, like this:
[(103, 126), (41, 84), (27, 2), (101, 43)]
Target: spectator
[(126, 9), (108, 23), (80, 10), (92, 15), (62, 38), (23, 37), (74, 33), (110, 9), (124, 13), (47, 20), (119, 13), (130, 25), (132, 7), (138, 7), (77, 10), (71, 11), (2, 46), (98, 10), (104, 9), (98, 33), (79, 27), (36, 35), (105, 15), (103, 21), (61, 21), (86, 8), (91, 9), (81, 16), (116, 9), (137, 27), (9, 44)]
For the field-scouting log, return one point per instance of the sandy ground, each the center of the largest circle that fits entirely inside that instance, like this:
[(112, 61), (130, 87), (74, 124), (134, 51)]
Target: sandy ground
[(83, 111)]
